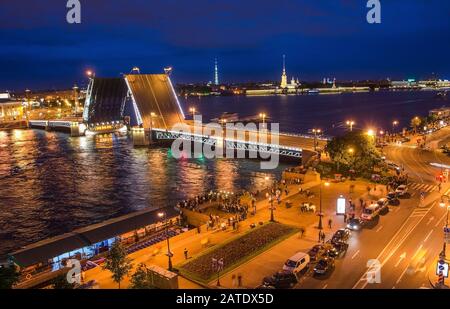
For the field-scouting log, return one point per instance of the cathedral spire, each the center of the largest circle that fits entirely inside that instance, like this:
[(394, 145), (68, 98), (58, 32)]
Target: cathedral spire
[(283, 83)]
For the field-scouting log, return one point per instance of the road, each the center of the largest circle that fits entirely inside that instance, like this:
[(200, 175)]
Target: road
[(405, 242), (417, 162)]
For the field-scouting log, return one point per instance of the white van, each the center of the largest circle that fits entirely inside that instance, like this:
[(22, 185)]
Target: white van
[(297, 263)]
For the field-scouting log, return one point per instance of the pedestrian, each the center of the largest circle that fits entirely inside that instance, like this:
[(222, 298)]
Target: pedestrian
[(239, 279), (185, 253), (345, 218), (233, 281), (302, 232), (323, 237), (330, 222), (198, 229)]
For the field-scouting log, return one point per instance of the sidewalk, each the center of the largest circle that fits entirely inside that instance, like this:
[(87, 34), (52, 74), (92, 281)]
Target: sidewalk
[(192, 240)]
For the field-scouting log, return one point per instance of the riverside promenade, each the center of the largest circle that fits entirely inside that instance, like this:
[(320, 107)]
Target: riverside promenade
[(270, 259)]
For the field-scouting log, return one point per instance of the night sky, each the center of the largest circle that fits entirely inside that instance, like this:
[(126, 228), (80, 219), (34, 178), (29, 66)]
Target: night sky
[(39, 50)]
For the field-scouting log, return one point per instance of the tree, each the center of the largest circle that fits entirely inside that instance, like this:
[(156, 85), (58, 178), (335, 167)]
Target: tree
[(61, 283), (118, 263), (9, 276), (353, 150), (142, 278)]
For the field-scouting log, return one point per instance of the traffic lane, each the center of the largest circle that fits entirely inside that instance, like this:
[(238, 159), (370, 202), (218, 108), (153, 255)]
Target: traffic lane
[(417, 162), (427, 244), (363, 246), (407, 266), (396, 154), (416, 274)]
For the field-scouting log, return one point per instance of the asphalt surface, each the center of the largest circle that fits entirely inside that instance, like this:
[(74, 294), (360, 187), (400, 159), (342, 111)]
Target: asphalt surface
[(405, 242)]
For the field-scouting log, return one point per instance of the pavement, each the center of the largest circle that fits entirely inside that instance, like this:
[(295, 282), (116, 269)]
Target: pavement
[(405, 241), (155, 254)]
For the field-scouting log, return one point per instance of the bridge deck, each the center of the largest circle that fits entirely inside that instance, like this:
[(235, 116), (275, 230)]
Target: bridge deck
[(285, 140)]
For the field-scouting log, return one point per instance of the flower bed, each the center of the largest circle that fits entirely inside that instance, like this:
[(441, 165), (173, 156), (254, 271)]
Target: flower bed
[(236, 251)]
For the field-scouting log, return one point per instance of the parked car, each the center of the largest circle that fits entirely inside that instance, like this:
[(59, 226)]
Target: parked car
[(392, 198), (316, 252), (371, 212), (330, 250), (383, 202), (340, 247), (393, 166), (384, 208), (355, 224), (335, 249), (341, 235), (324, 266), (280, 280), (401, 191), (297, 263)]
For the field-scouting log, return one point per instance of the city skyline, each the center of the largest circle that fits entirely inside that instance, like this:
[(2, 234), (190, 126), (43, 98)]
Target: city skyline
[(321, 39)]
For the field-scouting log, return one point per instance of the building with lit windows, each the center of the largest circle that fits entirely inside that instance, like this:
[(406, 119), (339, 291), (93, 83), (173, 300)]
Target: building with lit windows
[(10, 110)]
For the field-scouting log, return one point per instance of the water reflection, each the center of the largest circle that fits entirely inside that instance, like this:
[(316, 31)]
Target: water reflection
[(51, 183)]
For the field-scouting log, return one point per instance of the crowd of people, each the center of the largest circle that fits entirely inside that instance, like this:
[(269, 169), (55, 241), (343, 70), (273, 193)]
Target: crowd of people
[(199, 200)]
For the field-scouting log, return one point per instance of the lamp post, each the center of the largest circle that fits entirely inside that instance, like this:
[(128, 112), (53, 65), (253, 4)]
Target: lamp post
[(263, 117), (163, 215), (350, 124), (217, 265), (272, 219), (90, 74), (192, 110), (443, 204), (394, 124), (320, 227), (316, 131)]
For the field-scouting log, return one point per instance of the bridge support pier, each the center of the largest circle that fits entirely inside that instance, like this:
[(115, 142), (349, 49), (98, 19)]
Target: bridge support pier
[(75, 129), (141, 136)]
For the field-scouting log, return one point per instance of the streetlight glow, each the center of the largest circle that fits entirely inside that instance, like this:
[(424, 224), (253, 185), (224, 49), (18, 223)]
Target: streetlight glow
[(350, 123)]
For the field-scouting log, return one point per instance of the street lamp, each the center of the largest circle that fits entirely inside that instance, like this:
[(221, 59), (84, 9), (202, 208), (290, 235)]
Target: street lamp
[(90, 73), (192, 110), (263, 117), (350, 123), (163, 215), (327, 184), (272, 219), (316, 131), (371, 133), (394, 124), (443, 204)]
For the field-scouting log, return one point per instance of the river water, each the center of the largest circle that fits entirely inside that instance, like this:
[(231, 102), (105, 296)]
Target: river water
[(300, 113), (51, 183)]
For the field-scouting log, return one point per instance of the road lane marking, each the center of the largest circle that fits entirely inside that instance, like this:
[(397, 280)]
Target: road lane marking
[(354, 255), (439, 221), (428, 236), (429, 220), (409, 231), (401, 276), (402, 257), (325, 286), (417, 252), (378, 229)]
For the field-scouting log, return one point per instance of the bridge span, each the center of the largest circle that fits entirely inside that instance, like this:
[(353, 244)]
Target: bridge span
[(148, 105)]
